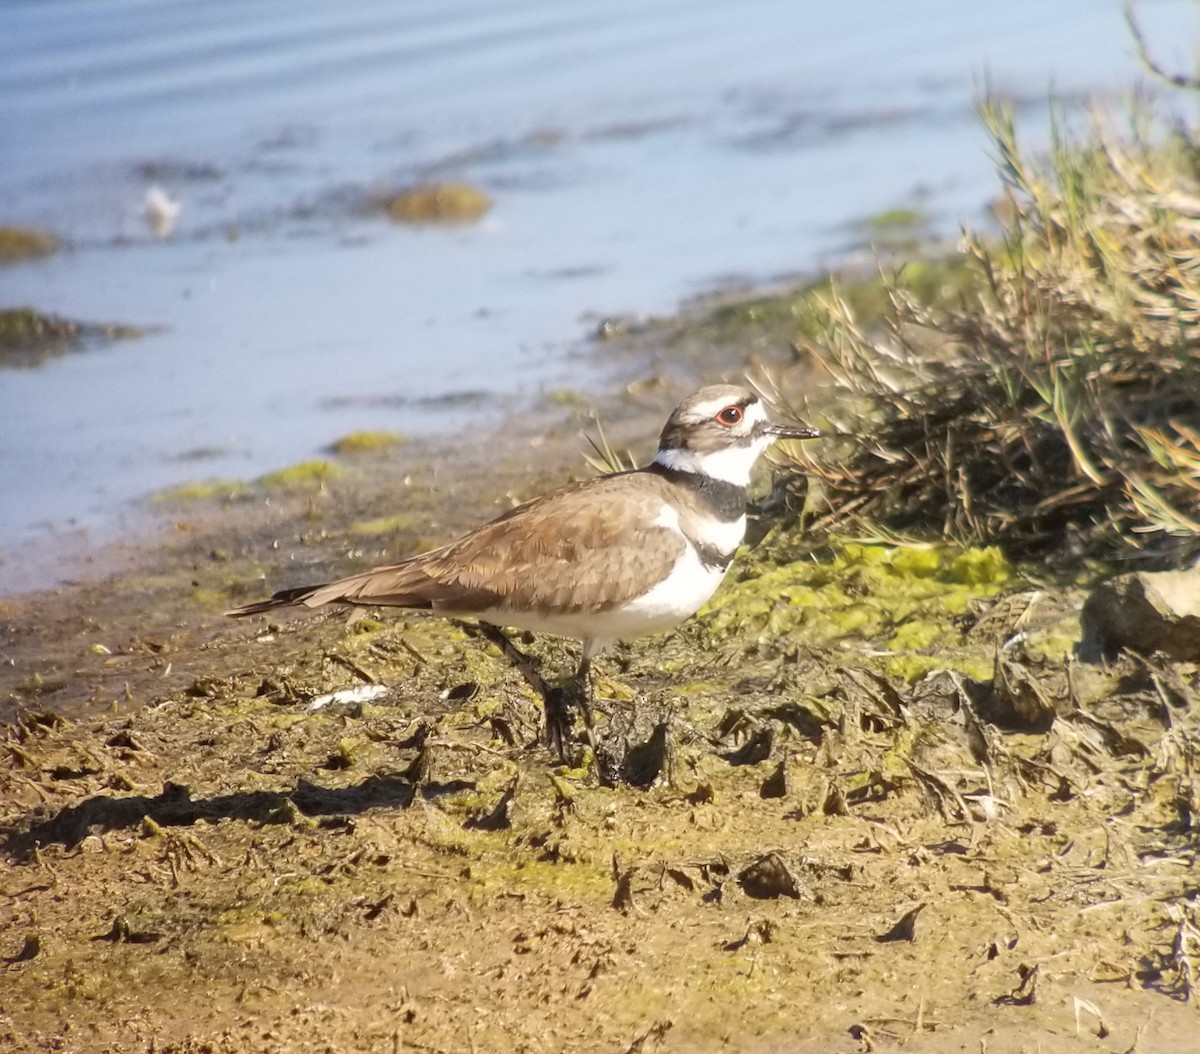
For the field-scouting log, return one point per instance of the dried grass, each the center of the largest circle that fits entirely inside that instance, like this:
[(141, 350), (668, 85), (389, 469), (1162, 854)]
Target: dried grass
[(1056, 411)]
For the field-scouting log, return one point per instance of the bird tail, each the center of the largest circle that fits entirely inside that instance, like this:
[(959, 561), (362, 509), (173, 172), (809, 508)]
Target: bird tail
[(284, 598)]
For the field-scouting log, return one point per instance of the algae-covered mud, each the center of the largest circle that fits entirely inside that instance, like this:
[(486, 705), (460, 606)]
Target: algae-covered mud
[(437, 203), (864, 801), (25, 243), (30, 338)]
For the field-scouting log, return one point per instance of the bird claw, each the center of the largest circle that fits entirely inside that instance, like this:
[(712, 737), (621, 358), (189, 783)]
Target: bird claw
[(558, 721), (559, 703)]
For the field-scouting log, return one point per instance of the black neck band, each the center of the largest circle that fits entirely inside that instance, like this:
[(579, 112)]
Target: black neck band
[(725, 501)]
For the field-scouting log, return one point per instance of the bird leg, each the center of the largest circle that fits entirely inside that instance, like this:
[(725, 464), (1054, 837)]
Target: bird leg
[(583, 683), (526, 664), (577, 690), (556, 701)]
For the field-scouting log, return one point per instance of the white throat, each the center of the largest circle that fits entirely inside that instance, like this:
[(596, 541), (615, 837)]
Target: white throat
[(732, 465)]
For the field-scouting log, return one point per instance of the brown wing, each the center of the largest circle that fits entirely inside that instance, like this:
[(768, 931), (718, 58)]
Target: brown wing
[(582, 547)]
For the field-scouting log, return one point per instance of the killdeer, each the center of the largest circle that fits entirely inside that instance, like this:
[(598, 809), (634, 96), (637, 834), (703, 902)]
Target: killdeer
[(611, 558)]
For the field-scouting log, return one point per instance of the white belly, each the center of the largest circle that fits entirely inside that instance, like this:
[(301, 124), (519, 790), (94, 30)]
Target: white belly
[(675, 598)]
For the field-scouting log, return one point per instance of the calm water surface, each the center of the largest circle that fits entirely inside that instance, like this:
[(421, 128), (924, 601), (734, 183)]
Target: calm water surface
[(637, 153)]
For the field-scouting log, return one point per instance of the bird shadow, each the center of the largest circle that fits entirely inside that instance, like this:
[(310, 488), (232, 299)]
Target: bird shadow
[(175, 807)]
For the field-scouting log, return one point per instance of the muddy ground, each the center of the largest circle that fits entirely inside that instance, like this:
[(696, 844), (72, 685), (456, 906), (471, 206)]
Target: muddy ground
[(865, 802)]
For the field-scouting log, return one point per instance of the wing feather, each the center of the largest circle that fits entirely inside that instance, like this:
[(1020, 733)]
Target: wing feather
[(585, 546)]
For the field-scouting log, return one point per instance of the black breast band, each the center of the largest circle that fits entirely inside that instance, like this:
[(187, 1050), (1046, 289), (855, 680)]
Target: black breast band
[(723, 500)]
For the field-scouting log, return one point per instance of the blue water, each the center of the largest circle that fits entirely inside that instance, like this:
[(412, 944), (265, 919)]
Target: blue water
[(637, 153)]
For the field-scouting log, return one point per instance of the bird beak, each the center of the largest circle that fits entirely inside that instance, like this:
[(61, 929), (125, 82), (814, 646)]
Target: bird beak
[(792, 432)]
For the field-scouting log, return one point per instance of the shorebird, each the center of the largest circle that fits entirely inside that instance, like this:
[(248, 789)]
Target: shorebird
[(611, 558), (161, 211)]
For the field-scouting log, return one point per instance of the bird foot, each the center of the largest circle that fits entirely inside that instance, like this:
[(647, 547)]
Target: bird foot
[(558, 700), (560, 703), (558, 721)]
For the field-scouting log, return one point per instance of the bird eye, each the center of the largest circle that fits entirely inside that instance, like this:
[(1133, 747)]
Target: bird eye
[(730, 416)]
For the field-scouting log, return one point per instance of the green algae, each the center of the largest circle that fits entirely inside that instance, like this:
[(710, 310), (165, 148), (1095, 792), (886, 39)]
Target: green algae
[(23, 325), (29, 337), (358, 443), (891, 219), (895, 231), (513, 875), (211, 599), (305, 475), (913, 636), (802, 312), (568, 397), (906, 598), (300, 476), (204, 490), (388, 524), (25, 243), (442, 203), (346, 756)]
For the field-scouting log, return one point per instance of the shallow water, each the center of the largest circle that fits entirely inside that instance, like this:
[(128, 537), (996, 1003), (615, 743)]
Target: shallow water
[(637, 154)]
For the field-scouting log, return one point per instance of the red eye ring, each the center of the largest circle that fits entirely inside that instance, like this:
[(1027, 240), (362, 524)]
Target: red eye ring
[(730, 416)]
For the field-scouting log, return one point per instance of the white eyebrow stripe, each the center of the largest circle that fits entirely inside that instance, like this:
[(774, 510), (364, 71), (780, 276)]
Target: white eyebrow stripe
[(754, 409)]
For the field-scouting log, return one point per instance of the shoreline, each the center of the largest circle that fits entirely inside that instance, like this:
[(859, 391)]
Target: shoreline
[(164, 578)]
